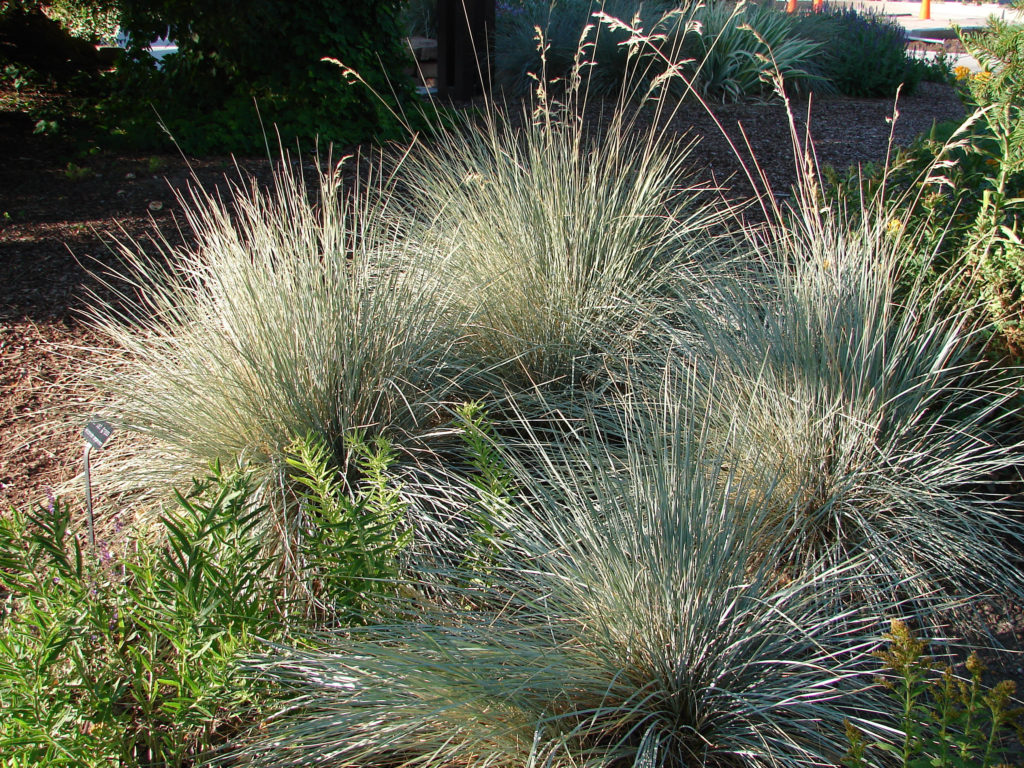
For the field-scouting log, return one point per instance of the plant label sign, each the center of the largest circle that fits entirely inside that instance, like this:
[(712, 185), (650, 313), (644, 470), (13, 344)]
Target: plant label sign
[(97, 432)]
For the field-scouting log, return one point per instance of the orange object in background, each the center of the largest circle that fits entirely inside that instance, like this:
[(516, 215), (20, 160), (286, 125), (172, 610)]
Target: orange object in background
[(790, 6), (926, 9), (817, 5)]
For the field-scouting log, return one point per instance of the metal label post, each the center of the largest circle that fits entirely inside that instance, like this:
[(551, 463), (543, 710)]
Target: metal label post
[(96, 433)]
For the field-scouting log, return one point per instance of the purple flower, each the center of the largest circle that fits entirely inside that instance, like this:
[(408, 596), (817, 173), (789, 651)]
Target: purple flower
[(107, 555)]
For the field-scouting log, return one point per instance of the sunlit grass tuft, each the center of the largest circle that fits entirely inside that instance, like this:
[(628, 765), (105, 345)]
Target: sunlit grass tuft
[(292, 312), (558, 239), (867, 395)]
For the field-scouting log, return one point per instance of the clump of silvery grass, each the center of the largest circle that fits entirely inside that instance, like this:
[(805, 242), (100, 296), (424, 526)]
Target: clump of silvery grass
[(559, 229), (738, 47), (288, 313), (864, 390), (621, 622)]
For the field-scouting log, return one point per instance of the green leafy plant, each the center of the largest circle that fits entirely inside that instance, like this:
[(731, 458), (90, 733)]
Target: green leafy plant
[(155, 164), (862, 54), (47, 127), (995, 249), (354, 536), (739, 48), (960, 190), (129, 655), (94, 20), (74, 172), (936, 69), (494, 486), (17, 76), (946, 722), (235, 73), (521, 56), (729, 48)]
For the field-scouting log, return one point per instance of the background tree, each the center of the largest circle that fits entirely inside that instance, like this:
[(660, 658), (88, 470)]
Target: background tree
[(243, 67), (243, 63)]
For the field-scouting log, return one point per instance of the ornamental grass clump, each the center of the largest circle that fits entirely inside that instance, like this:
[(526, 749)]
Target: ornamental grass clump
[(557, 238), (293, 313), (729, 48), (866, 395), (737, 49), (620, 621)]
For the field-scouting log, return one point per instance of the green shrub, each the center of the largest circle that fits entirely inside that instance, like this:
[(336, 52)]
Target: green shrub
[(237, 70), (93, 20), (862, 54), (563, 27), (995, 250), (937, 69), (960, 190), (731, 48), (129, 656)]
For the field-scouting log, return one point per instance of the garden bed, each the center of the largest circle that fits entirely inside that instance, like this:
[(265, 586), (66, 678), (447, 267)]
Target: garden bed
[(60, 207), (57, 208)]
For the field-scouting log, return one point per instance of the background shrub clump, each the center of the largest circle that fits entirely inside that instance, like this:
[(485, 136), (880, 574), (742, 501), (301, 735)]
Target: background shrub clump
[(960, 190), (862, 54)]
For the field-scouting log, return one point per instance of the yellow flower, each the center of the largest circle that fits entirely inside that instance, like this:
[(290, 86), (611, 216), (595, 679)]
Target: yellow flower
[(893, 226), (961, 72), (983, 76)]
